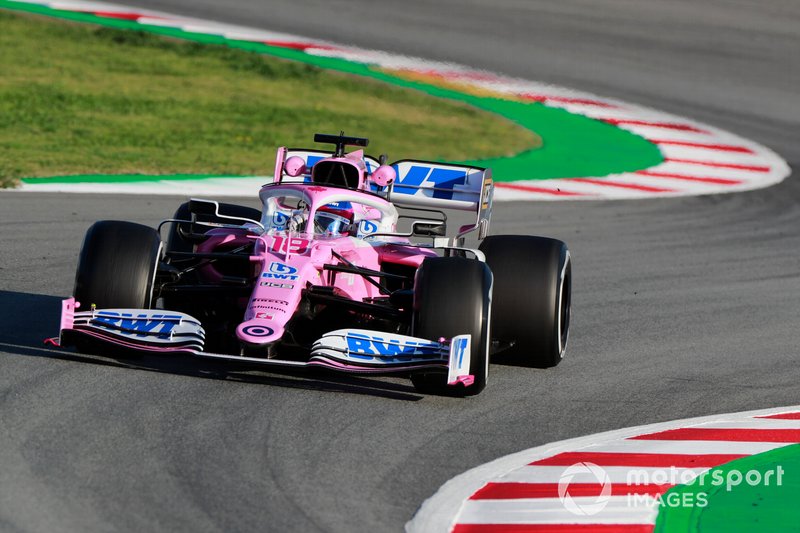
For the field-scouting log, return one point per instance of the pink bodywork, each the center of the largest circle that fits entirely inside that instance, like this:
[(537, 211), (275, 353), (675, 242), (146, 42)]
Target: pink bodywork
[(287, 262)]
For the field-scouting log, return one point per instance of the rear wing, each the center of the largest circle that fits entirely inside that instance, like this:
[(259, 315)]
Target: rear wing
[(440, 185), (427, 184)]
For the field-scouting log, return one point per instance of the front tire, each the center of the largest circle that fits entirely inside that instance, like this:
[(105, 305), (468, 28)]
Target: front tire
[(178, 233), (532, 298), (117, 266), (452, 296)]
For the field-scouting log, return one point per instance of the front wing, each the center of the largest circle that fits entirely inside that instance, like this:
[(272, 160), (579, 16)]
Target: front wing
[(346, 350)]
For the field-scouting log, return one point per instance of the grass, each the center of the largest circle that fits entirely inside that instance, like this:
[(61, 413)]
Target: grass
[(78, 99)]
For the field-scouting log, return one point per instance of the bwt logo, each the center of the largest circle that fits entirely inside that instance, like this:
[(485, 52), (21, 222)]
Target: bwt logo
[(371, 347), (367, 227), (142, 325), (280, 271), (280, 219), (280, 268)]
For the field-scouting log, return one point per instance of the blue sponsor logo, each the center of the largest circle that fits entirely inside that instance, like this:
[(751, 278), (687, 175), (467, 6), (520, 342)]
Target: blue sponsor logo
[(442, 180), (279, 220), (461, 348), (371, 347), (142, 325), (280, 271), (367, 227), (280, 268)]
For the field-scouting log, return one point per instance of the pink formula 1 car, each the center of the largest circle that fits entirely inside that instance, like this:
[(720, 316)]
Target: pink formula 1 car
[(330, 274)]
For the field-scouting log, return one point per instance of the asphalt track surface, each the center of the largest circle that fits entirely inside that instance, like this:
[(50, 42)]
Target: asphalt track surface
[(682, 307)]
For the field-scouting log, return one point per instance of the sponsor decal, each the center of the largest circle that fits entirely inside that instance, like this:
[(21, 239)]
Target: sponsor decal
[(280, 271), (459, 361), (270, 307), (367, 227), (277, 285), (265, 316), (369, 347), (258, 331), (142, 324), (280, 220), (271, 301), (461, 348), (279, 268)]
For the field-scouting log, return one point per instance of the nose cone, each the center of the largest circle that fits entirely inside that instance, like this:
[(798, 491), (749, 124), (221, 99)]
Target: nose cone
[(259, 332)]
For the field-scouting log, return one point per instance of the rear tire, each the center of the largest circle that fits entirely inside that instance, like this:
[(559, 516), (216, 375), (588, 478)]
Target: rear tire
[(117, 266), (532, 298), (452, 296)]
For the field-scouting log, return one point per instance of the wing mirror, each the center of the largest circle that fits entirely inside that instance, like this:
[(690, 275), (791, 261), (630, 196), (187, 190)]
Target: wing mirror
[(383, 175), (294, 166)]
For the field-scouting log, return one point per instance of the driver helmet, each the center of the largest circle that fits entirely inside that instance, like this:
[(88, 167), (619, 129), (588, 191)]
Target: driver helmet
[(334, 219)]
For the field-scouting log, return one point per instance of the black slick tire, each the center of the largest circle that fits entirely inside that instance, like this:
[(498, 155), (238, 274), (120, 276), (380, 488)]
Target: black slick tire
[(117, 265), (452, 296), (532, 298)]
